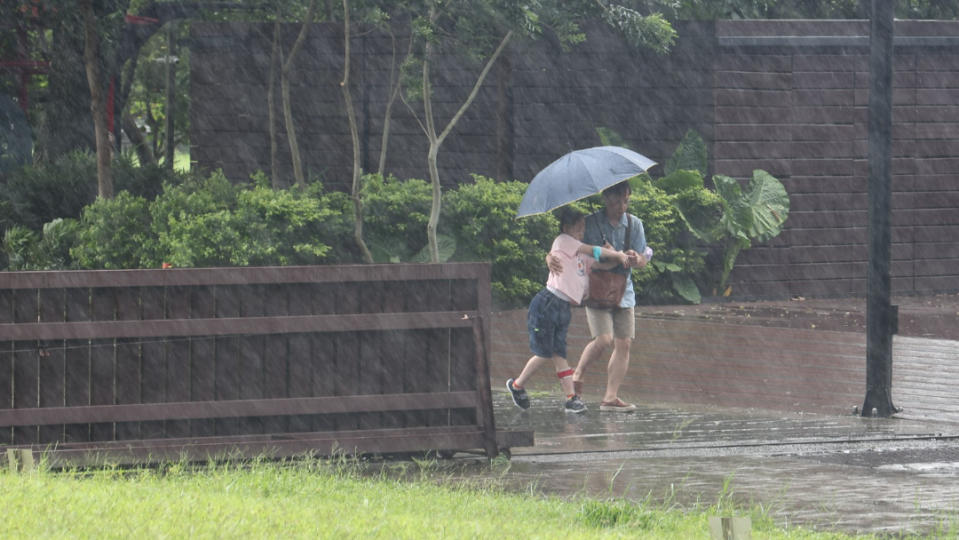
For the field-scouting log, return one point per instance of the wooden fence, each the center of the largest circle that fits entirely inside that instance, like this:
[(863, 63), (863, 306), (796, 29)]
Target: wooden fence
[(145, 365)]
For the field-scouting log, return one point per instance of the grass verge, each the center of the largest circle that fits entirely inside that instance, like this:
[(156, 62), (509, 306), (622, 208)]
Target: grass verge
[(313, 498)]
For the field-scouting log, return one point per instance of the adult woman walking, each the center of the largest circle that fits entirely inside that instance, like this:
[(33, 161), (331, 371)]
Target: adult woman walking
[(615, 326)]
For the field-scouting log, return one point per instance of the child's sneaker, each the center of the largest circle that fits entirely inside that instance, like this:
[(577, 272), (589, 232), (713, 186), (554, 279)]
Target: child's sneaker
[(575, 405), (519, 396)]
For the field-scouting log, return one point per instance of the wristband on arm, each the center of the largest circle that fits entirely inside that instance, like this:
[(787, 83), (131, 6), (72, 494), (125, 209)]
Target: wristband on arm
[(596, 252)]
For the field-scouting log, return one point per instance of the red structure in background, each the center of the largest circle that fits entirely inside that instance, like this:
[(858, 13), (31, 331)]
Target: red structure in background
[(25, 67), (22, 64)]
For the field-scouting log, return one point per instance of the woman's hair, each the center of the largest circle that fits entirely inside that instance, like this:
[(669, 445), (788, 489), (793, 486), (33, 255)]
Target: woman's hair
[(568, 216)]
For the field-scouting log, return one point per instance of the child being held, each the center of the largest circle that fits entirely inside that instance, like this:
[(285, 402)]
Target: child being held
[(549, 312)]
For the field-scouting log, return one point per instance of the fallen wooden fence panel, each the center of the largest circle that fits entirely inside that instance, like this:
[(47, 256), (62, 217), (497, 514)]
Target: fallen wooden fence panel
[(141, 365)]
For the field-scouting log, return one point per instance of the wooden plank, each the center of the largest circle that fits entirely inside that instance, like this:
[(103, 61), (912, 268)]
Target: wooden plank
[(202, 358), (236, 408), (178, 349), (6, 363), (227, 354), (484, 405), (300, 373), (377, 441), (26, 364), (416, 375), (463, 355), (370, 359), (276, 356), (238, 275), (51, 379), (102, 357), (463, 362), (251, 351), (323, 361), (153, 358), (77, 360), (300, 355), (245, 325), (129, 369), (345, 369), (436, 295)]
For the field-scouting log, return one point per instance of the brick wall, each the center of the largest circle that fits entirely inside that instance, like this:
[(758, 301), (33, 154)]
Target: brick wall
[(799, 110), (789, 97)]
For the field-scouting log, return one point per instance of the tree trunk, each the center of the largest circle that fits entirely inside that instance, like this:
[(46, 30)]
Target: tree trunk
[(436, 141), (285, 93), (433, 223), (355, 136), (431, 159), (275, 60), (65, 123), (170, 150), (140, 145), (91, 59), (388, 115)]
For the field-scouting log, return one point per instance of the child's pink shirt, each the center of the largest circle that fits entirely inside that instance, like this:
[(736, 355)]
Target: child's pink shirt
[(574, 281)]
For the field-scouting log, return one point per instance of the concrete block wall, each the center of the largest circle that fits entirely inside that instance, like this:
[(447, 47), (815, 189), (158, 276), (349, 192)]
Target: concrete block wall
[(800, 111), (789, 97)]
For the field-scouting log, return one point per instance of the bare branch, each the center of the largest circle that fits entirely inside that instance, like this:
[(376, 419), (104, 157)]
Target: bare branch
[(476, 87)]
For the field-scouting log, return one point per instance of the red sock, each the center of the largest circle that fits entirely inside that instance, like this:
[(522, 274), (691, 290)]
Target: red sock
[(565, 374)]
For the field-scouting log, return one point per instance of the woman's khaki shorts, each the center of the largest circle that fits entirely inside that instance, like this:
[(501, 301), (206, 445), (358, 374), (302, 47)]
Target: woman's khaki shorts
[(618, 321)]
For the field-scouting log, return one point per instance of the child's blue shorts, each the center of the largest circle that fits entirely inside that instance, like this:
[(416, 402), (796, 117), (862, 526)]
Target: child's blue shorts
[(547, 322)]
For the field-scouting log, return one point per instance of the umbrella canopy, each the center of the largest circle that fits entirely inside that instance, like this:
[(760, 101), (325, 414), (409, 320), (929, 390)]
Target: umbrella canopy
[(578, 175)]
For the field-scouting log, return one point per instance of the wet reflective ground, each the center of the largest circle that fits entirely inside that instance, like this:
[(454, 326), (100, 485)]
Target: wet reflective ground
[(827, 472)]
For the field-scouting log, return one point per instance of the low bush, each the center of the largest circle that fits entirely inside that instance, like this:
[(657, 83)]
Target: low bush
[(481, 218), (191, 221)]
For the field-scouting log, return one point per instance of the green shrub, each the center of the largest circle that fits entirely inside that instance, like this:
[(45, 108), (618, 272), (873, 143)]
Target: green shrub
[(114, 233), (26, 249), (59, 236), (337, 228), (395, 214), (481, 217), (696, 233), (192, 223), (281, 227), (143, 180), (675, 262), (690, 155), (19, 247), (212, 222), (38, 194)]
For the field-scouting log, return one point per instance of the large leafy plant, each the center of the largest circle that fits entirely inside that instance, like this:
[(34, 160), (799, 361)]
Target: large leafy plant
[(728, 219), (754, 214)]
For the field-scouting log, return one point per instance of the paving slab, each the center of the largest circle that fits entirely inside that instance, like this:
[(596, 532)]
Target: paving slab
[(826, 472), (825, 468)]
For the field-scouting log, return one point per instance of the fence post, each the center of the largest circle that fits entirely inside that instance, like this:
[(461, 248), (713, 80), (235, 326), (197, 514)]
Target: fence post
[(484, 408), (880, 315), (20, 459)]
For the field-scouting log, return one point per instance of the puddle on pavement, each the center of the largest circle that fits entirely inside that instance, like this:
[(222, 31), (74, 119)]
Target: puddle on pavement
[(836, 473)]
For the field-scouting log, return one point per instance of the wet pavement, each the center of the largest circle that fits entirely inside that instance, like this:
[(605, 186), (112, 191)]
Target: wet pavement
[(828, 470), (825, 472)]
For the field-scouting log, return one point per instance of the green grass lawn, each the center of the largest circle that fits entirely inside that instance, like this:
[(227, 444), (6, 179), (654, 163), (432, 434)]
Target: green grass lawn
[(312, 498)]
